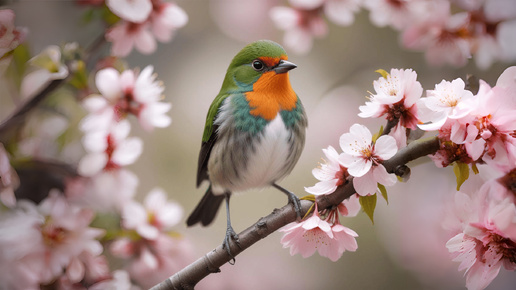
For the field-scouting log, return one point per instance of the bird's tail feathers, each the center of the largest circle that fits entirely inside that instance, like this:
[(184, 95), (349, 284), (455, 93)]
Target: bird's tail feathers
[(206, 210)]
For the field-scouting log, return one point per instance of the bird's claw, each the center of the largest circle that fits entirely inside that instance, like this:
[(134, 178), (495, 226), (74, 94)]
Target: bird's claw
[(230, 235), (296, 203)]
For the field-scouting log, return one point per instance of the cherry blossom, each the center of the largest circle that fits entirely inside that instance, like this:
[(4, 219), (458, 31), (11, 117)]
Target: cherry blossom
[(482, 244), (136, 11), (300, 27), (143, 21), (363, 158), (341, 12), (126, 93), (396, 97), (443, 37), (109, 150), (447, 100), (329, 239), (157, 216), (398, 14), (10, 35), (8, 179), (126, 35), (165, 18), (489, 127), (331, 174), (45, 240)]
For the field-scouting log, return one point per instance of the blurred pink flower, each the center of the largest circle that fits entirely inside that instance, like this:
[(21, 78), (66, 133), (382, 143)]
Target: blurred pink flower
[(315, 234), (398, 14), (331, 174), (300, 27), (126, 35), (107, 191), (109, 150), (165, 18), (363, 158), (158, 215), (8, 179), (341, 12), (152, 261), (447, 100), (396, 97), (444, 37), (120, 280), (143, 22), (41, 242), (10, 35), (136, 11)]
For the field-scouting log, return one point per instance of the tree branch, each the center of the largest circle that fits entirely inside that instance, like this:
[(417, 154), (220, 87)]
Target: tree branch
[(188, 277)]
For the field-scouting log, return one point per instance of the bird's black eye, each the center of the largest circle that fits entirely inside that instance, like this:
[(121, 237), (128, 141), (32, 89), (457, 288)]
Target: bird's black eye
[(258, 65)]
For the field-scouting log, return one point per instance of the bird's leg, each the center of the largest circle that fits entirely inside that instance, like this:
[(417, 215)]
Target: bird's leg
[(230, 233), (292, 199)]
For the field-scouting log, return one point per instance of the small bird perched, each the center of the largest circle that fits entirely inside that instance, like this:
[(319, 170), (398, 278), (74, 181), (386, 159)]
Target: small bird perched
[(254, 132)]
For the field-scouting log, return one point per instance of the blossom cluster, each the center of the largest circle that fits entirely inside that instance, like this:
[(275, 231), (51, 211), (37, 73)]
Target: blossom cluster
[(141, 23), (449, 32), (62, 239), (476, 129)]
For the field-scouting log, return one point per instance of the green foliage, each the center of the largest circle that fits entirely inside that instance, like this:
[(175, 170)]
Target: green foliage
[(384, 192), (377, 134), (368, 204), (384, 73), (461, 171)]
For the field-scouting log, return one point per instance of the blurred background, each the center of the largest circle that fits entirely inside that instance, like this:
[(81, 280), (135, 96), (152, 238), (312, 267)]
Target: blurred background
[(404, 249)]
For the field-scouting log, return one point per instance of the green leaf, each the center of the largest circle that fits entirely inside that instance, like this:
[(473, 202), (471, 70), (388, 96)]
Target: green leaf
[(384, 192), (377, 134), (368, 204), (384, 73), (474, 168), (461, 171)]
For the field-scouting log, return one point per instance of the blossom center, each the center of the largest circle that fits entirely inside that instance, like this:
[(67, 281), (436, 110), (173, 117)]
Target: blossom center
[(52, 234)]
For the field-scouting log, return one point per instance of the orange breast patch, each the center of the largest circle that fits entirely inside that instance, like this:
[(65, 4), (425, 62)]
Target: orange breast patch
[(271, 93)]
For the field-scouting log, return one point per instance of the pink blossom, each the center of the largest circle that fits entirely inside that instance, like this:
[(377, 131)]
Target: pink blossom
[(120, 280), (300, 27), (443, 37), (448, 100), (315, 234), (152, 261), (341, 12), (109, 150), (398, 14), (8, 179), (136, 11), (157, 216), (45, 240), (331, 174), (482, 248), (363, 158), (10, 35), (165, 19), (107, 191), (126, 35), (489, 128), (350, 207), (126, 93), (396, 97)]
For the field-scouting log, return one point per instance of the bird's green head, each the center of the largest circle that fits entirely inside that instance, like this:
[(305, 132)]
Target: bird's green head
[(253, 61)]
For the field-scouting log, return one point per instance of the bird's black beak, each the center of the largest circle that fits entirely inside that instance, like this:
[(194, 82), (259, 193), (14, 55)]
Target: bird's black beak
[(284, 66)]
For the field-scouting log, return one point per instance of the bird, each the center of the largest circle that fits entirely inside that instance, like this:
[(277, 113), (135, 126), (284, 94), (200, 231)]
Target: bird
[(254, 133)]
